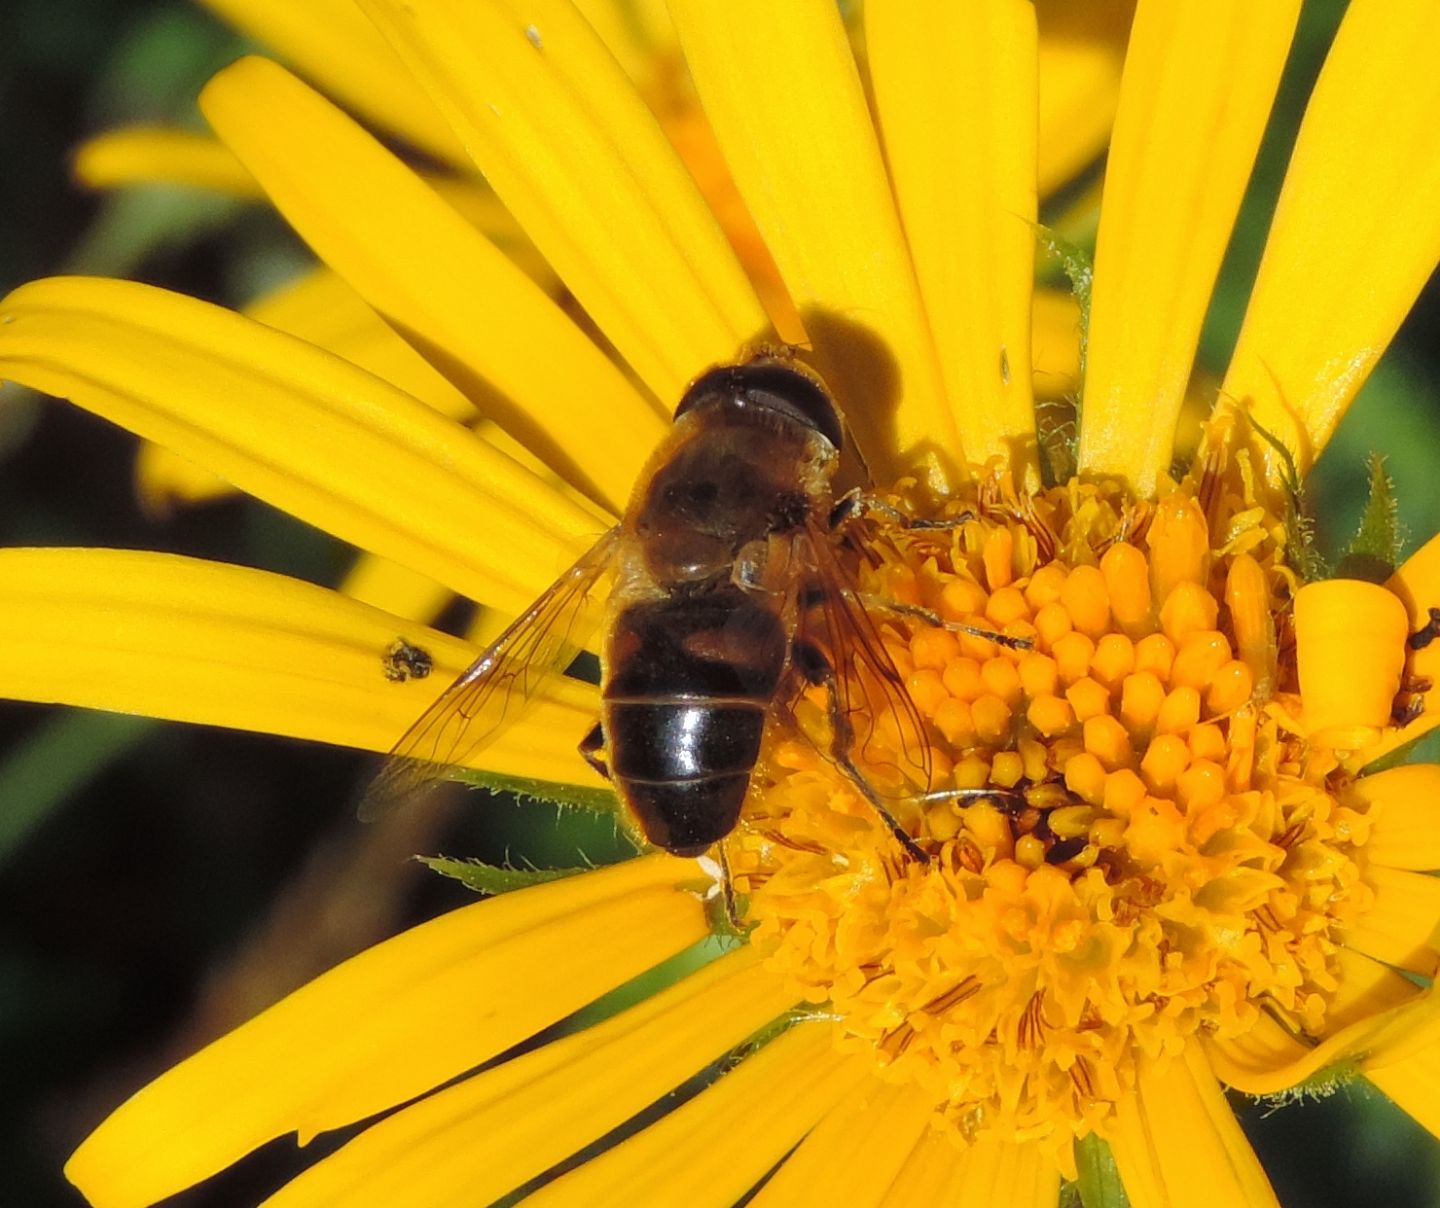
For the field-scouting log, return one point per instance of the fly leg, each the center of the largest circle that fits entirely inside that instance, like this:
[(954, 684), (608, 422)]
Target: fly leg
[(859, 503), (928, 616), (727, 888), (591, 746), (811, 662)]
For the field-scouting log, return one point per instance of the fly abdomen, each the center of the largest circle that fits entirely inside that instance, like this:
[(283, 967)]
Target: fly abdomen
[(684, 766), (683, 740), (720, 643), (689, 681)]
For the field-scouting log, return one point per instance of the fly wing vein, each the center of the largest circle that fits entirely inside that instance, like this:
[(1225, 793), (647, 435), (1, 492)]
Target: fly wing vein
[(869, 686), (497, 688)]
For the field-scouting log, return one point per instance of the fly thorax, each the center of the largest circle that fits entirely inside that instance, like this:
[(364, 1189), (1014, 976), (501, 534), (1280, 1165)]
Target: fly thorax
[(719, 493)]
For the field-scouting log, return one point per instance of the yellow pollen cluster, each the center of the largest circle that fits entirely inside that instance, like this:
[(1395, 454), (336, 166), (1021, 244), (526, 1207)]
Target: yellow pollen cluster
[(1132, 846)]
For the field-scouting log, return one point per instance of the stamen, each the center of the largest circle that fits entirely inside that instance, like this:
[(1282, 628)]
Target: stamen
[(1133, 829)]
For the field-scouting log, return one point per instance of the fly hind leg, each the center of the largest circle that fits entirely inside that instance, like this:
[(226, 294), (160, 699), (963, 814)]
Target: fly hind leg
[(811, 662), (591, 746), (727, 889)]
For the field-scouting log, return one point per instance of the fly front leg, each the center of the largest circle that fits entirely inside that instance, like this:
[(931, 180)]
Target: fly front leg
[(812, 663), (928, 616), (857, 504)]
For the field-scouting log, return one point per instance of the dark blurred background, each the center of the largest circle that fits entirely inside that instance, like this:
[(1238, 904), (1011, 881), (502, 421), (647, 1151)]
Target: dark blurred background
[(159, 882)]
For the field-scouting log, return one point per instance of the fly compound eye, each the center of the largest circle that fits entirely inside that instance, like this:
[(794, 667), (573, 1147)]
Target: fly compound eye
[(713, 386), (777, 387), (766, 385)]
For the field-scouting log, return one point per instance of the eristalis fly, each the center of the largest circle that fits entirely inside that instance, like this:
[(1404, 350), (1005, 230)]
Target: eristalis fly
[(727, 601)]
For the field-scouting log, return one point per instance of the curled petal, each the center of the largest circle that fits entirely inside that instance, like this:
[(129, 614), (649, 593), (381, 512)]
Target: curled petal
[(299, 428), (391, 1023), (178, 638)]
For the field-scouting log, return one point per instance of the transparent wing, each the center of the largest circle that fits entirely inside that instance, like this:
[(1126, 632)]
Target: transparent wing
[(885, 728), (497, 687)]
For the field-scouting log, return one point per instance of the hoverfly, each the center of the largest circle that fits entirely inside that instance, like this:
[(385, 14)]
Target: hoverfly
[(727, 602)]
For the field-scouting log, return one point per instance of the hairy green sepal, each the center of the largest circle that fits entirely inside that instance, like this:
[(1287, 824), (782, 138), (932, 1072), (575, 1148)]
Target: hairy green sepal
[(491, 878), (1307, 560), (572, 796), (1057, 423), (1374, 551)]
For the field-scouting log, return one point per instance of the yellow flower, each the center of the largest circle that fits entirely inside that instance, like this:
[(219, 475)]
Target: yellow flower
[(1160, 863)]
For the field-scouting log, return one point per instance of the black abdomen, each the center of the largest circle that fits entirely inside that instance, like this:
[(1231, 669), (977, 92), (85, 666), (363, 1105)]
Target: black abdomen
[(689, 682)]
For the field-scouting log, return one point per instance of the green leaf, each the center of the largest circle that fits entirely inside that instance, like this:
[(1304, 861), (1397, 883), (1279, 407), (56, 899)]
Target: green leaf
[(491, 878), (61, 757), (1099, 1181), (1374, 551)]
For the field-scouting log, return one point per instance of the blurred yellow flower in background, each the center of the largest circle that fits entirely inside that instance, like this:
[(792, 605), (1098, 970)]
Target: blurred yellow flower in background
[(1179, 867)]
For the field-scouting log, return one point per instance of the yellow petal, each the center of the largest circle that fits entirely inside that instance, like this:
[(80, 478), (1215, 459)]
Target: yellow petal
[(139, 155), (392, 1023), (146, 154), (165, 480), (1055, 344), (1414, 1086), (1402, 806), (996, 1172), (139, 632), (637, 32), (930, 1174), (1402, 928), (1417, 583), (1399, 1035), (476, 202), (549, 118), (1356, 232), (938, 1171), (955, 89), (1178, 1144), (321, 308), (299, 428), (395, 589), (1082, 48), (1367, 989), (715, 1147), (331, 42), (1198, 85), (781, 89), (1350, 650), (501, 1128), (457, 298), (853, 1155), (1386, 1019), (1260, 1061)]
